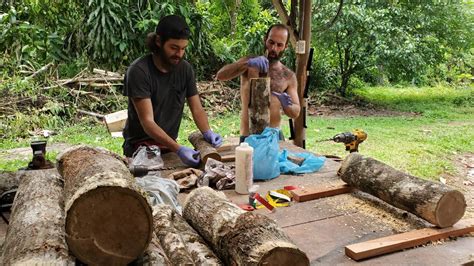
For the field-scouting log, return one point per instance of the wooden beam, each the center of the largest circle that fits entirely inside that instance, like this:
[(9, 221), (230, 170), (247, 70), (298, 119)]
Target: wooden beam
[(311, 193), (411, 239), (285, 19)]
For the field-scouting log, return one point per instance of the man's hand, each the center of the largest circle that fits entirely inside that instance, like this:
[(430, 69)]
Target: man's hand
[(213, 138), (284, 98), (188, 156), (260, 62)]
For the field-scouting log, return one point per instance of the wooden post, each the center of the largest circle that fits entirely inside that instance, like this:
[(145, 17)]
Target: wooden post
[(301, 75), (434, 202), (108, 217), (36, 234), (259, 105), (239, 237), (205, 148)]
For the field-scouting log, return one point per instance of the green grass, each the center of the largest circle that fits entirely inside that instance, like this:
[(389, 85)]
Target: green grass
[(423, 144)]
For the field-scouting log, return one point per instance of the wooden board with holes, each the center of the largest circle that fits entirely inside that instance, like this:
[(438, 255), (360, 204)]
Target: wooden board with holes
[(311, 193), (410, 239)]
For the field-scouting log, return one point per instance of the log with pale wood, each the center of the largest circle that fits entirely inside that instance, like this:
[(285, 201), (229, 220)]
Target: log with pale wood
[(181, 243), (108, 217), (36, 234), (239, 237), (434, 202), (205, 148), (259, 105), (154, 255)]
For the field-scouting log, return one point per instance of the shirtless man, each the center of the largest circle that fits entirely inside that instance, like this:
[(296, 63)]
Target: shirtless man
[(283, 82)]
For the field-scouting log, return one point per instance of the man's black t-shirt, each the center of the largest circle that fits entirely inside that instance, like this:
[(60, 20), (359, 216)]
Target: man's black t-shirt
[(167, 91)]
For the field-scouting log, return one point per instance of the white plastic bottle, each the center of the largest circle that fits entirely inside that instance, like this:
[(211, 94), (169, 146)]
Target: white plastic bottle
[(243, 168)]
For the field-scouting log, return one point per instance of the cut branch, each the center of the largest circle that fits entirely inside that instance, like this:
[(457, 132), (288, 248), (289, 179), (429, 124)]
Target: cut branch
[(434, 202)]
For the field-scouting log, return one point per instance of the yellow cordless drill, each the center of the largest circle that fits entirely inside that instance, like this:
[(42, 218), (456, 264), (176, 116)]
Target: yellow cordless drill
[(351, 139)]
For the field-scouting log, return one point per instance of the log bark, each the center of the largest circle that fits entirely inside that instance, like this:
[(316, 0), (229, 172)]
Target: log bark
[(259, 105), (154, 255), (205, 148), (108, 217), (182, 244), (239, 237), (434, 202), (9, 180), (36, 234)]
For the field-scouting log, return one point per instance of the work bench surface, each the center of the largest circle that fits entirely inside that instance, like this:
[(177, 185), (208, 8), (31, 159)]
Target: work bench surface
[(323, 227)]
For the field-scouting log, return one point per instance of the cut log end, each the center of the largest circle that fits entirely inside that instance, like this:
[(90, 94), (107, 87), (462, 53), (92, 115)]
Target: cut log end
[(92, 228), (282, 256), (450, 209), (215, 156)]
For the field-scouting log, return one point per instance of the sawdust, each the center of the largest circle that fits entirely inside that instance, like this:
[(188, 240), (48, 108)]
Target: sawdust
[(383, 215)]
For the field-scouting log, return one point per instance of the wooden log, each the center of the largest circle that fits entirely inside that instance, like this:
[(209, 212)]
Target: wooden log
[(434, 202), (36, 234), (259, 105), (9, 180), (182, 244), (205, 148), (239, 237), (154, 255), (406, 240), (108, 217)]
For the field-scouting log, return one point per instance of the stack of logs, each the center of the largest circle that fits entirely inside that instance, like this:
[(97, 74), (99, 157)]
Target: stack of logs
[(92, 209)]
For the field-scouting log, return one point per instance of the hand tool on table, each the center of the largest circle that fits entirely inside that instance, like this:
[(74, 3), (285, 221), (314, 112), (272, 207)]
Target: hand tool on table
[(350, 139), (140, 170)]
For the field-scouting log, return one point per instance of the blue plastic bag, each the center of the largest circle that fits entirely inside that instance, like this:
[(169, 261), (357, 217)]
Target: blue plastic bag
[(265, 154), (310, 164)]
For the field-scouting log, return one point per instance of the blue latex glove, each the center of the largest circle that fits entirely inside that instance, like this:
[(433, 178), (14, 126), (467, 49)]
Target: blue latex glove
[(188, 156), (213, 138), (284, 98), (260, 62)]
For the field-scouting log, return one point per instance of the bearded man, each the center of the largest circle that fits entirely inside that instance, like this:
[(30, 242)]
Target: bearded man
[(283, 82), (157, 86)]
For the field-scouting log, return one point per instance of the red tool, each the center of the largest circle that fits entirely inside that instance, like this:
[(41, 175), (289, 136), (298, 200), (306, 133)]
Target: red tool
[(264, 202)]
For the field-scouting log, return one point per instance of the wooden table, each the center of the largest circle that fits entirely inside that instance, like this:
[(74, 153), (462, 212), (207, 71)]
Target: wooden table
[(323, 227)]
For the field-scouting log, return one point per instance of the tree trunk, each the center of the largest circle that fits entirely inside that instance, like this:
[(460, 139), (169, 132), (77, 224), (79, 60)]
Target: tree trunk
[(239, 237), (108, 217), (259, 105), (36, 234), (181, 243), (434, 202), (205, 148)]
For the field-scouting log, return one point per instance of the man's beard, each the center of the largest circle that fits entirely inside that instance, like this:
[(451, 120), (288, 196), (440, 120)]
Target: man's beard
[(167, 60), (274, 56)]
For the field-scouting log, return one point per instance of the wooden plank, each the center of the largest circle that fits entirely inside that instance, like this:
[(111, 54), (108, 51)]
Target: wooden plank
[(411, 239), (228, 158), (116, 121), (311, 193)]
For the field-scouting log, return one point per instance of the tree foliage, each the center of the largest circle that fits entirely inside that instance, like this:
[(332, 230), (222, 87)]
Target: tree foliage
[(370, 42), (392, 42)]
